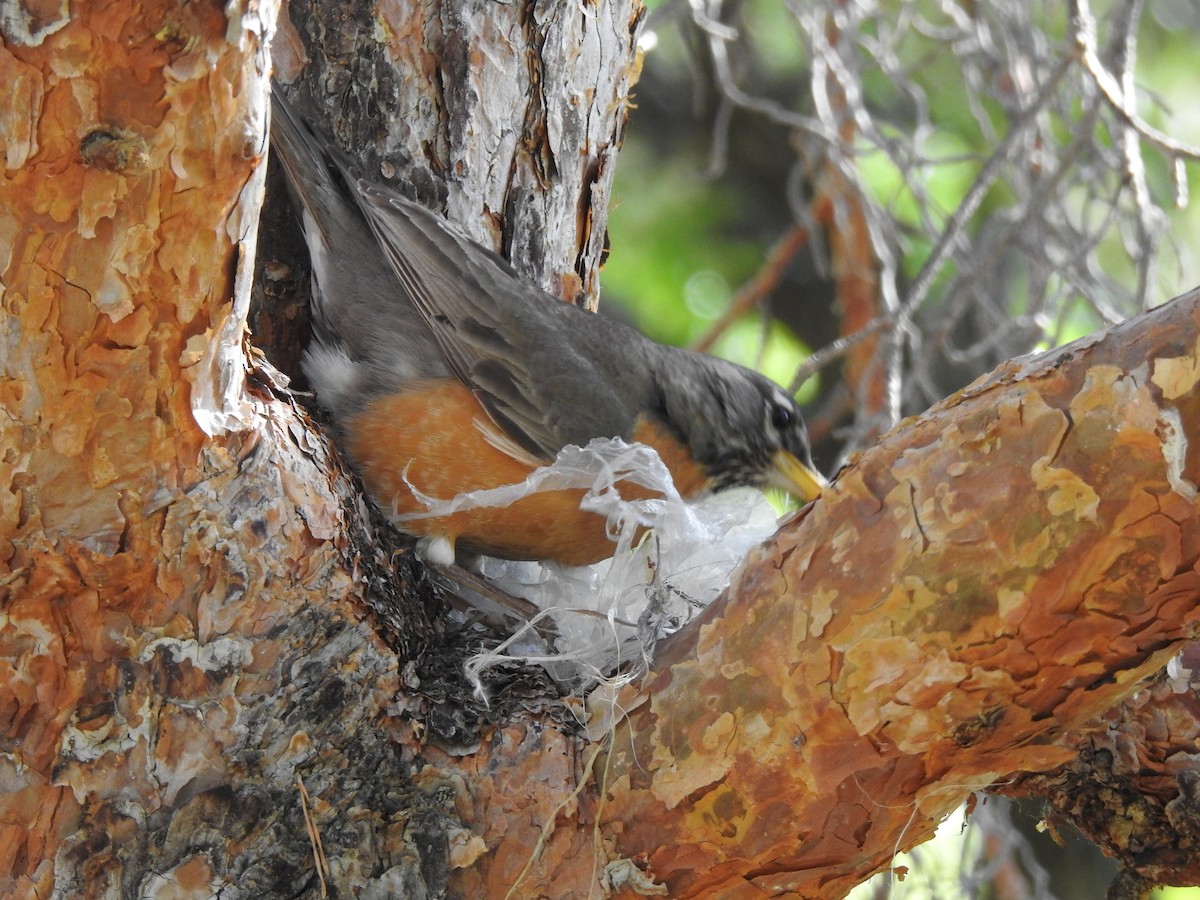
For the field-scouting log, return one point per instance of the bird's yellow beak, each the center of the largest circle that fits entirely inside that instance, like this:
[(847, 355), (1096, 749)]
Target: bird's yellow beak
[(793, 476)]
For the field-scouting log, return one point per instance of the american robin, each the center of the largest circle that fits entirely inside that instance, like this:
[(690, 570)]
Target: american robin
[(447, 372)]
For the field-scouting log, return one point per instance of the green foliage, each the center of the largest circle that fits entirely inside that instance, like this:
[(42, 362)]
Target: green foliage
[(672, 266)]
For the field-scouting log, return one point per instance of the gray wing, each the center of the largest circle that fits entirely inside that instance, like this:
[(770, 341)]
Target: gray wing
[(548, 373), (370, 338)]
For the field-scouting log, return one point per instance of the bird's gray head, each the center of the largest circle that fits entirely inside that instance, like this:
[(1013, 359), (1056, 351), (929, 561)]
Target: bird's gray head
[(741, 428)]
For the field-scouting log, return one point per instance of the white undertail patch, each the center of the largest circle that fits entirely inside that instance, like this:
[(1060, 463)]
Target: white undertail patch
[(333, 374)]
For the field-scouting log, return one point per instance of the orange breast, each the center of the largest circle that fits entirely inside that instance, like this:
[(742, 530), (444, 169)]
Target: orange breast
[(688, 477), (430, 431)]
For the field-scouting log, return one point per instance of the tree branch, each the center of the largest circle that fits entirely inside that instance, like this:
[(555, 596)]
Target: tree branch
[(989, 577)]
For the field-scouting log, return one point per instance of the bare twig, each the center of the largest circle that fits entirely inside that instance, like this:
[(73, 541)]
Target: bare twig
[(835, 350), (757, 289), (971, 201), (1110, 86)]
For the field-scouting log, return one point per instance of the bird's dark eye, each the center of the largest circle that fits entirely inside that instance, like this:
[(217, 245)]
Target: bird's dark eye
[(782, 417)]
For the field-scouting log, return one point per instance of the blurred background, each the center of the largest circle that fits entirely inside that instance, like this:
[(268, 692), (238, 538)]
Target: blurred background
[(876, 202), (914, 191)]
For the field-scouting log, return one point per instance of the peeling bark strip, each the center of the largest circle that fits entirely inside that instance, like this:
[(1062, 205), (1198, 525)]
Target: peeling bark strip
[(995, 573)]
